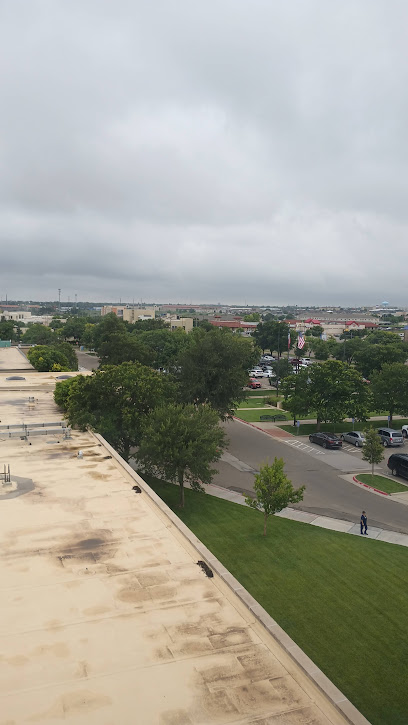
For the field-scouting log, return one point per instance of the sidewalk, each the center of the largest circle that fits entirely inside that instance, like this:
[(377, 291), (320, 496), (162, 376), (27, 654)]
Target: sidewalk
[(324, 522)]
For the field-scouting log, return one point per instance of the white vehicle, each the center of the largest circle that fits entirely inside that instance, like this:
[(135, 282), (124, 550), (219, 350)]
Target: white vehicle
[(404, 430), (255, 373), (268, 374), (268, 358)]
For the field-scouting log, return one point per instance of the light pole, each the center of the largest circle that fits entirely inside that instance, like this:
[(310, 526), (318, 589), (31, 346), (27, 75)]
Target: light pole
[(59, 300)]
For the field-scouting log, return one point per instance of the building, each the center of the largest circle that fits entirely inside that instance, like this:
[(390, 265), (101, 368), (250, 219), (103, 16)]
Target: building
[(175, 322), (106, 617), (130, 314), (237, 325)]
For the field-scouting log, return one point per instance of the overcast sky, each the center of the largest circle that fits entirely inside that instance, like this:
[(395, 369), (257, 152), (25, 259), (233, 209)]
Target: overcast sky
[(229, 150)]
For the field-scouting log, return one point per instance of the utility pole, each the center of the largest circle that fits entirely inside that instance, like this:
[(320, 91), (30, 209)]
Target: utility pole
[(76, 298), (59, 300)]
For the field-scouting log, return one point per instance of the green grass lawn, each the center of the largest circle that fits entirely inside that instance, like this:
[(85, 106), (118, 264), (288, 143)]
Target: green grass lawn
[(254, 416), (382, 483), (258, 392), (341, 598), (306, 428), (257, 402)]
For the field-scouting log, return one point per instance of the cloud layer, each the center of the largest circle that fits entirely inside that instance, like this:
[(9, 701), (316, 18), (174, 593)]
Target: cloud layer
[(225, 151)]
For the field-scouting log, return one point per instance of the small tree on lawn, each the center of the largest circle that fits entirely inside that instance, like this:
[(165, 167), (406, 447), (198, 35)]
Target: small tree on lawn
[(372, 448), (180, 442), (274, 490)]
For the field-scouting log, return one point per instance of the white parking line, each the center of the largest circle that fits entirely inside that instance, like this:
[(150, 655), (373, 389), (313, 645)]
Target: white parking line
[(304, 447)]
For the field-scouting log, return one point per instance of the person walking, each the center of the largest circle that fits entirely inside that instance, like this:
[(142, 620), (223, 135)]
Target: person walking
[(363, 523)]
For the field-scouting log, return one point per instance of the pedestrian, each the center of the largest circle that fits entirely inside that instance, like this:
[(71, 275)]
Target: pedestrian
[(363, 523)]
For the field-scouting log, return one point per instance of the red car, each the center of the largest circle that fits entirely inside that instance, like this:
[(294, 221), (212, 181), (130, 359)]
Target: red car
[(254, 383)]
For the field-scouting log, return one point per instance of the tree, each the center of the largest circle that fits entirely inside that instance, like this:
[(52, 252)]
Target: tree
[(320, 348), (390, 389), (371, 356), (213, 369), (272, 335), (252, 317), (295, 389), (116, 401), (180, 442), (274, 491), (122, 347), (332, 389), (315, 331), (336, 391), (62, 391), (147, 325), (69, 352), (37, 334), (6, 329), (109, 325), (45, 358), (74, 327), (165, 346), (372, 449)]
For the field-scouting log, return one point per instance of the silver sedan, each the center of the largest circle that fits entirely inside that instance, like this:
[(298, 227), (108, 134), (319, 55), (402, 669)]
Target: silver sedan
[(356, 437)]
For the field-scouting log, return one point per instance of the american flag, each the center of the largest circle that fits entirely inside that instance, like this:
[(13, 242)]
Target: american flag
[(288, 340), (300, 341)]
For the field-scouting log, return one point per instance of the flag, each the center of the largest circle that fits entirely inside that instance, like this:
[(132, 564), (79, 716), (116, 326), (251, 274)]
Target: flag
[(289, 340), (300, 341)]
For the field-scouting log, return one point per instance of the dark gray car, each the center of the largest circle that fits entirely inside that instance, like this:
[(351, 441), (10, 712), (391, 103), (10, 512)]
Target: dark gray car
[(356, 437)]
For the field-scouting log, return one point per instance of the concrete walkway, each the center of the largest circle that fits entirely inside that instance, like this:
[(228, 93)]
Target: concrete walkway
[(324, 522)]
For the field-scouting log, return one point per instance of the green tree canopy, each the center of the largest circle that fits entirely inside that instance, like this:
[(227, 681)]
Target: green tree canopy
[(109, 325), (74, 327), (122, 347), (116, 401), (372, 448), (273, 490), (315, 331), (273, 335), (180, 442), (389, 387), (333, 390), (252, 317), (165, 346), (6, 329), (45, 358), (37, 334), (213, 369)]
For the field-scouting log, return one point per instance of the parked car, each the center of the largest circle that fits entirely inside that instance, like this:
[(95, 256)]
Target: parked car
[(254, 383), (268, 358), (268, 374), (255, 373), (327, 440), (390, 437), (404, 430), (356, 437), (398, 464)]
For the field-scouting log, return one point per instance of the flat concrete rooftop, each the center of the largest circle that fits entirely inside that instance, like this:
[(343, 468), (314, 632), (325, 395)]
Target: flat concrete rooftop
[(105, 617)]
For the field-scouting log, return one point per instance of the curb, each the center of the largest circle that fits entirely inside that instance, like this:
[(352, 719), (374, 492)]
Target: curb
[(315, 675), (377, 490), (290, 435)]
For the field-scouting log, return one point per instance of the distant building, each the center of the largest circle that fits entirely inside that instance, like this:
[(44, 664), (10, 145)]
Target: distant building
[(175, 322), (130, 314)]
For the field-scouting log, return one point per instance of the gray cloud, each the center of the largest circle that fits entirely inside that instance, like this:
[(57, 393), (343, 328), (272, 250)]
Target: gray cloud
[(223, 151)]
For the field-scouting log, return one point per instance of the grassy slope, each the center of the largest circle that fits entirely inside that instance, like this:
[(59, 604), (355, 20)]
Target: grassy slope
[(342, 598), (383, 483), (254, 416)]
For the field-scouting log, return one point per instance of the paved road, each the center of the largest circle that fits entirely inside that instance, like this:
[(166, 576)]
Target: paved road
[(326, 492), (89, 362)]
